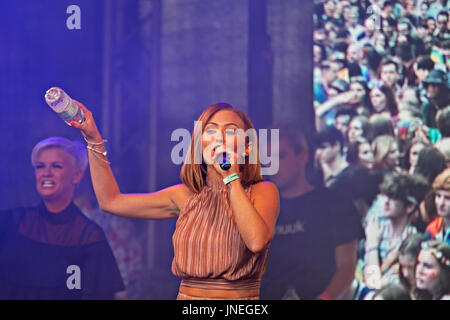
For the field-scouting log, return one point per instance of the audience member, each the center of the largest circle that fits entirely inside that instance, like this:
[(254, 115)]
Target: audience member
[(315, 221), (433, 272)]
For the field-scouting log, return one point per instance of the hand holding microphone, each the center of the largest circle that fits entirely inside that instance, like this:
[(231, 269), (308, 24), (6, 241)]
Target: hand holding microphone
[(222, 160), (225, 161), (222, 157)]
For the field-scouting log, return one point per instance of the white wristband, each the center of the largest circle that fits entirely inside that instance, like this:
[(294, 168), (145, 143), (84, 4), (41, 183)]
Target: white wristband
[(230, 178)]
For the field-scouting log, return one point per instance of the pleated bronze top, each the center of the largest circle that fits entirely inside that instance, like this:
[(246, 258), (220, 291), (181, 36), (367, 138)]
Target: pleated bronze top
[(208, 249)]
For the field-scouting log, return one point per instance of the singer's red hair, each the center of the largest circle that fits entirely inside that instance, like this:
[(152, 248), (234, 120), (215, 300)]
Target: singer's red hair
[(194, 175)]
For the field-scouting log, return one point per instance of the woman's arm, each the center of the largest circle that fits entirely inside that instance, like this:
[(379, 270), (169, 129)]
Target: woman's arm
[(158, 205), (255, 221)]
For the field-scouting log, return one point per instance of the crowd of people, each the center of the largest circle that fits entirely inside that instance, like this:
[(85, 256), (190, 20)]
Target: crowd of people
[(382, 110), (362, 211)]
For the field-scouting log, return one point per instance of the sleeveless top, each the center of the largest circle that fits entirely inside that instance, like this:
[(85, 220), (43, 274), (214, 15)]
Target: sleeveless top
[(208, 249)]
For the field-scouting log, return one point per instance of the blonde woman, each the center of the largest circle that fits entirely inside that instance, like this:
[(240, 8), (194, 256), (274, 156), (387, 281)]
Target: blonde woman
[(387, 153)]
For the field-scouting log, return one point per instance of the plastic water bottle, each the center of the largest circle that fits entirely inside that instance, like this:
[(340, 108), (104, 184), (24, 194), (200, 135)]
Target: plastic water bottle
[(63, 105)]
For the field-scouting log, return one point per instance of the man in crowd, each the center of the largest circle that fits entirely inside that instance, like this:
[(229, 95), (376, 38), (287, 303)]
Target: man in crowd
[(329, 154), (329, 74), (437, 93), (390, 75), (313, 252)]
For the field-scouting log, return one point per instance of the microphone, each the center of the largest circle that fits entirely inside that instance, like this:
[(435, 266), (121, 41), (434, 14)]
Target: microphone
[(223, 161)]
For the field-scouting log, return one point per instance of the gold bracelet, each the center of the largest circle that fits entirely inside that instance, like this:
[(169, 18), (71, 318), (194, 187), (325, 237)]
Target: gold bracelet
[(95, 143), (104, 153), (98, 152)]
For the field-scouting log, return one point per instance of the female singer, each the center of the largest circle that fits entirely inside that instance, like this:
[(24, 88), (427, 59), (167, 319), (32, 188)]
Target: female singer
[(226, 219)]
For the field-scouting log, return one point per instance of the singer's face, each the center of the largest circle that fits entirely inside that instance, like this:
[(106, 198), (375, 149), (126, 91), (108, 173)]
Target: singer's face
[(222, 134), (55, 173)]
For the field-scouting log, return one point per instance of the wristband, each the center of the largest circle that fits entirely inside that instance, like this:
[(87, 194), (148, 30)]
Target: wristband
[(230, 178)]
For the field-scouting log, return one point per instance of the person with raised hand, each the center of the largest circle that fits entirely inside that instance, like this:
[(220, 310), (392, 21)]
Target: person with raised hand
[(226, 219)]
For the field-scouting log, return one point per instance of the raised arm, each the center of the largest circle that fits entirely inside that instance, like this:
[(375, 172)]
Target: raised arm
[(334, 102), (158, 205)]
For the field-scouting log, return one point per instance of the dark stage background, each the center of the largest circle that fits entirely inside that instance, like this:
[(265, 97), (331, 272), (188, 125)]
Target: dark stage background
[(146, 68)]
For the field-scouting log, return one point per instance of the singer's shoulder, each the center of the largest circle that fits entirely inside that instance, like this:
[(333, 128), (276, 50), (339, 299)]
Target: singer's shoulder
[(266, 200), (179, 194), (265, 188), (181, 189)]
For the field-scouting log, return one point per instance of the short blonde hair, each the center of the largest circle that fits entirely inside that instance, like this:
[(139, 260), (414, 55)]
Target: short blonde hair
[(74, 148)]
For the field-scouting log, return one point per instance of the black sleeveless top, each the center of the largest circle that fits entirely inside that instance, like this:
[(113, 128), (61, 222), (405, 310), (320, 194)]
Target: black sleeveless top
[(44, 255)]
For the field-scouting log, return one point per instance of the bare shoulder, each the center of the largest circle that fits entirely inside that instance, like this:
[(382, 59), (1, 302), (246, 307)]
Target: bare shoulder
[(266, 199), (179, 194), (265, 187), (265, 191)]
